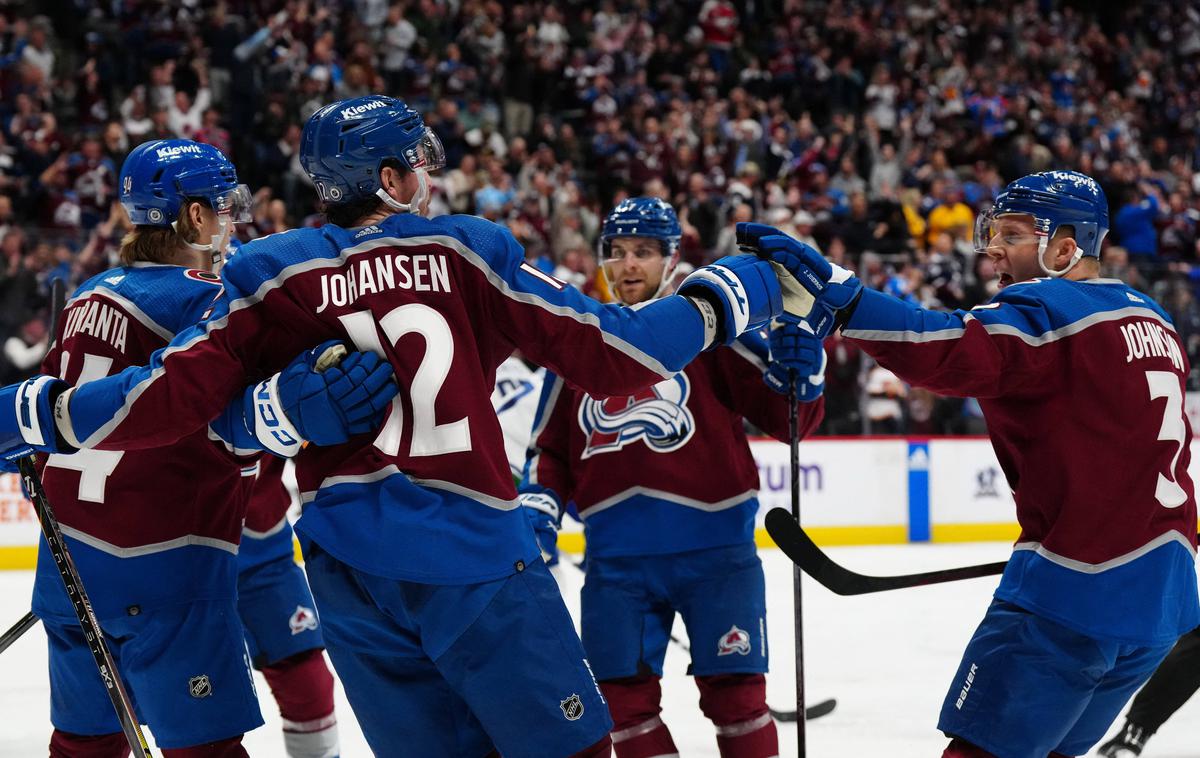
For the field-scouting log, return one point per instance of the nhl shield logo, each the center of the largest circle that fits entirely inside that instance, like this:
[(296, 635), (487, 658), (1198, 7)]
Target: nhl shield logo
[(304, 619), (734, 641), (572, 707), (200, 686)]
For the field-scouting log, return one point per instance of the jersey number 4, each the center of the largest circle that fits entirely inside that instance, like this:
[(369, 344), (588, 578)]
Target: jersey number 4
[(428, 436), (94, 466)]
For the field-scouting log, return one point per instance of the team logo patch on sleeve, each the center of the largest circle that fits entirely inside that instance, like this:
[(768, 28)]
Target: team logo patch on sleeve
[(200, 686), (202, 276), (658, 415), (734, 641), (303, 620), (572, 707)]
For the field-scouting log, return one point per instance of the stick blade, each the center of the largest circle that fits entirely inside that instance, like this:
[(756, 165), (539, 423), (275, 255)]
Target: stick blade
[(823, 708), (797, 545)]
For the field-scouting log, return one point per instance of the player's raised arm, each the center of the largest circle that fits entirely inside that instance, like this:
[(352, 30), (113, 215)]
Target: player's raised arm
[(978, 353), (191, 382), (608, 349)]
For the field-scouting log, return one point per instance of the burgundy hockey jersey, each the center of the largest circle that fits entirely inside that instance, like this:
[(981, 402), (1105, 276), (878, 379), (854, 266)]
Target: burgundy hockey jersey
[(144, 525), (1082, 384), (668, 469)]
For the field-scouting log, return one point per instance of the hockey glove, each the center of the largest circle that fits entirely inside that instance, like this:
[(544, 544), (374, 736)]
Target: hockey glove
[(733, 294), (27, 418), (822, 293), (324, 396), (796, 351), (545, 516)]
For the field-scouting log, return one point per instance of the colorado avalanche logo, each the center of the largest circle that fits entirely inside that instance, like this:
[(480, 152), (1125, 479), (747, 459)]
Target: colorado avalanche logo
[(734, 641), (658, 415), (303, 620)]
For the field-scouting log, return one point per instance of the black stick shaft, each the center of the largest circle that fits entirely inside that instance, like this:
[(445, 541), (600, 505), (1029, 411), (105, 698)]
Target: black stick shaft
[(794, 441), (83, 609), (14, 633)]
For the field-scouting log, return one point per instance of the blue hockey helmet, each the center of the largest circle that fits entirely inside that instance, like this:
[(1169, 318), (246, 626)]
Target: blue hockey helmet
[(1053, 199), (159, 176), (345, 144), (642, 217)]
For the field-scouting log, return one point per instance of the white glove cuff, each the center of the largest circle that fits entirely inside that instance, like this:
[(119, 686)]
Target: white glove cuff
[(272, 428), (32, 428), (540, 501)]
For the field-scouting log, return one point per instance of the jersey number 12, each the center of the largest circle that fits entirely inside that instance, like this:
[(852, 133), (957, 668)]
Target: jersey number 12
[(428, 436)]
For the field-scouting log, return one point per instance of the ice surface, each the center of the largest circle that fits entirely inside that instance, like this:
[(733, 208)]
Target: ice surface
[(887, 658)]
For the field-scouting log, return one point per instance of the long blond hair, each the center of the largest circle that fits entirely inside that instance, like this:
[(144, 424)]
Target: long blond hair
[(158, 244)]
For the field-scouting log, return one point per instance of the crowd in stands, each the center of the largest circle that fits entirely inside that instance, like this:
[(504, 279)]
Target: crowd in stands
[(875, 130)]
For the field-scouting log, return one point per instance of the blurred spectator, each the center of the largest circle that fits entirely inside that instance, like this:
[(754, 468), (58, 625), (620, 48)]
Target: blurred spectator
[(1134, 223), (885, 393)]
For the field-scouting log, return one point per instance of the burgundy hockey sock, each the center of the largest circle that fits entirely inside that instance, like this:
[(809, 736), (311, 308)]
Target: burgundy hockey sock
[(230, 748), (963, 749), (303, 688), (638, 731), (737, 705), (67, 745), (602, 749)]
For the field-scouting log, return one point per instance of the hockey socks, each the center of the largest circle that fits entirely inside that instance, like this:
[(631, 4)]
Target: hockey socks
[(67, 745), (303, 688), (638, 731), (737, 705)]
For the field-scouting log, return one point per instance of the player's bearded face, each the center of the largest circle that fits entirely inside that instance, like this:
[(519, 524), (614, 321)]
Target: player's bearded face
[(635, 268), (1013, 248)]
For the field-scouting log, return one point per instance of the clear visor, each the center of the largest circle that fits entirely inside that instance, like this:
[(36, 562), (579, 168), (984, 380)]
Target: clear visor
[(1005, 230), (427, 153), (235, 204)]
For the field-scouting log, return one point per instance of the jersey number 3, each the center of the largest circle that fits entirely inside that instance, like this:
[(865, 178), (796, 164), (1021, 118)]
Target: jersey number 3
[(1166, 384), (428, 436)]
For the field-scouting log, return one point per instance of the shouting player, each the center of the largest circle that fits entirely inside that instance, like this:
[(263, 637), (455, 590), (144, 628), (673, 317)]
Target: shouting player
[(667, 489), (155, 534), (1081, 381), (442, 621)]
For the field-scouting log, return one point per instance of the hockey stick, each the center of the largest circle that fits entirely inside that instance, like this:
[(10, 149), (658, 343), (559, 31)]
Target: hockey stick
[(14, 633), (58, 293), (83, 608), (797, 545), (823, 708), (794, 443)]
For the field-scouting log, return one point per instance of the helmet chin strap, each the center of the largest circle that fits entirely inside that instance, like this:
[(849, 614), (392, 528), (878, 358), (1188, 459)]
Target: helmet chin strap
[(1043, 242), (418, 198), (668, 273), (216, 246)]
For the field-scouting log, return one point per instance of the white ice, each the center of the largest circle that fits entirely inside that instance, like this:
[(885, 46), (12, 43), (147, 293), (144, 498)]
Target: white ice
[(887, 658)]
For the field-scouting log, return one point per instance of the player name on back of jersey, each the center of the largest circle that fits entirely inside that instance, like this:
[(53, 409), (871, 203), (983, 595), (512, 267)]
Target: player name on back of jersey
[(420, 272), (100, 320), (1148, 339)]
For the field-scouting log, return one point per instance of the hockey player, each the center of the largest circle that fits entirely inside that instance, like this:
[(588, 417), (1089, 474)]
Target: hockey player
[(283, 635), (155, 534), (1081, 380), (443, 624), (667, 489), (1175, 680)]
